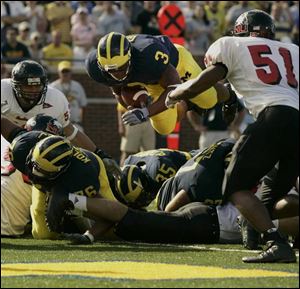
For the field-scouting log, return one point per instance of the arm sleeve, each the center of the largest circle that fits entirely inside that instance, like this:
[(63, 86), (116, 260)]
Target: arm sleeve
[(220, 52), (38, 216)]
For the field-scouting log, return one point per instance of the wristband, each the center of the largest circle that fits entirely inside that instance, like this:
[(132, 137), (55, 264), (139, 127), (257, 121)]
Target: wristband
[(74, 133)]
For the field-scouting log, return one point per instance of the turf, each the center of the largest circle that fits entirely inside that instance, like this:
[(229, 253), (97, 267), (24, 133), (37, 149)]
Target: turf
[(41, 251)]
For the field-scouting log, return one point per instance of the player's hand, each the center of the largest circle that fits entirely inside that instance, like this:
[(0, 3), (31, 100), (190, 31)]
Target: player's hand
[(229, 108), (57, 206), (78, 239), (135, 116), (112, 167), (170, 100), (110, 164)]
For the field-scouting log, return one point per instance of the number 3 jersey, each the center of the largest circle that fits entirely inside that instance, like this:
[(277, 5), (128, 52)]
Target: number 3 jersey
[(262, 71), (150, 56)]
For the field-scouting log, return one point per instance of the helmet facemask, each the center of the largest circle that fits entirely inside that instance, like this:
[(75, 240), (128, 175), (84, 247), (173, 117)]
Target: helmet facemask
[(114, 56), (29, 83)]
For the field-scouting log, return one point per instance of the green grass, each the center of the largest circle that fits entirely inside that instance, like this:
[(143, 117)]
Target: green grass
[(39, 251)]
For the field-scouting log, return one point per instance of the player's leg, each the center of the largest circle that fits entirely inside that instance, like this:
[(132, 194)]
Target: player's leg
[(188, 68), (193, 223), (131, 142), (254, 155), (15, 204)]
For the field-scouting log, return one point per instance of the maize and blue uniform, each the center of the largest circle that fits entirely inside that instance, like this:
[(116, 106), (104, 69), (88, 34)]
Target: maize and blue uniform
[(201, 177), (86, 175), (150, 56)]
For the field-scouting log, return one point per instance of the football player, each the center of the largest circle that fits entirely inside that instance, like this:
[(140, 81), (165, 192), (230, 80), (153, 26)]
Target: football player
[(16, 189), (52, 162), (23, 96), (198, 180), (265, 73), (144, 174), (153, 62), (53, 166)]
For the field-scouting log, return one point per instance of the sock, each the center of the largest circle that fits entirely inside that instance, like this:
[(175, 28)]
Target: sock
[(273, 235), (79, 202), (276, 223)]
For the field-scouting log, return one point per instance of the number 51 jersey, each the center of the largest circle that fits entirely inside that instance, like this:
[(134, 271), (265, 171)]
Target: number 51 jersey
[(263, 72)]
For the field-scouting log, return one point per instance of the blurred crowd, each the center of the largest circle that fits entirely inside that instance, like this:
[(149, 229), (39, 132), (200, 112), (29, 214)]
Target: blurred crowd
[(52, 31)]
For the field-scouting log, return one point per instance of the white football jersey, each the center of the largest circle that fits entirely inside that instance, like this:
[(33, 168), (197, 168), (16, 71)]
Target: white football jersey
[(15, 193), (263, 72), (55, 105)]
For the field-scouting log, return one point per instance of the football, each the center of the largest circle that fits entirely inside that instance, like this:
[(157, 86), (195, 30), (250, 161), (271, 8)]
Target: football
[(135, 96)]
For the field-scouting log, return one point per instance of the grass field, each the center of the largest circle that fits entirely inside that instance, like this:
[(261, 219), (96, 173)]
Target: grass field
[(34, 263)]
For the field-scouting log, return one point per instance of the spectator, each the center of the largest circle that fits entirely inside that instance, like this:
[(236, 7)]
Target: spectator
[(188, 9), (198, 32), (24, 33), (36, 17), (83, 34), (112, 19), (97, 10), (89, 5), (4, 72), (58, 14), (12, 50), (12, 13), (212, 127), (73, 91), (35, 46), (216, 17), (56, 51), (75, 18), (134, 138), (146, 21), (283, 21)]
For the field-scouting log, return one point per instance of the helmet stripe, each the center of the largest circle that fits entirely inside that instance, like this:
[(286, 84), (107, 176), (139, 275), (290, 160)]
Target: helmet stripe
[(65, 154), (122, 45), (51, 147), (129, 178), (108, 45)]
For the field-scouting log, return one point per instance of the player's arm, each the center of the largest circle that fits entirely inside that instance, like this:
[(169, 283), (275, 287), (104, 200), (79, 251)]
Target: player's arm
[(116, 90), (206, 79), (79, 138), (8, 129)]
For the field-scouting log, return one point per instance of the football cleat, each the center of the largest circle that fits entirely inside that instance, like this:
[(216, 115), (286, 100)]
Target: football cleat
[(276, 252)]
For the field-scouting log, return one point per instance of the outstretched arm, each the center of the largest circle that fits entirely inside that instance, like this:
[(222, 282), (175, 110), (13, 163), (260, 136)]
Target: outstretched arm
[(206, 79)]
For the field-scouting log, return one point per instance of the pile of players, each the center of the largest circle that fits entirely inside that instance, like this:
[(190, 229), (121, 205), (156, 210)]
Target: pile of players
[(197, 193)]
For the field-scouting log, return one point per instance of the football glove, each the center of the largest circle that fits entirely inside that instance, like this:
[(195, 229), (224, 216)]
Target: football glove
[(79, 239), (110, 164), (230, 107), (135, 116), (58, 205), (170, 100)]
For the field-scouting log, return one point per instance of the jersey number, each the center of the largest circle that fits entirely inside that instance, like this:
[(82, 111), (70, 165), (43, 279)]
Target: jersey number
[(160, 55), (273, 77)]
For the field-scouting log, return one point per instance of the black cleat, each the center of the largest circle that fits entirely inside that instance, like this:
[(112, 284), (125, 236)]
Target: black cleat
[(251, 238), (275, 253)]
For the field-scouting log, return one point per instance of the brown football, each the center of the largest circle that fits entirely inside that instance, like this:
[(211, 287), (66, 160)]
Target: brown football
[(135, 96)]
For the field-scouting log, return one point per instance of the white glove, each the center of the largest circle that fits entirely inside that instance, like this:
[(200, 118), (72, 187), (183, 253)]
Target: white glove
[(135, 116)]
